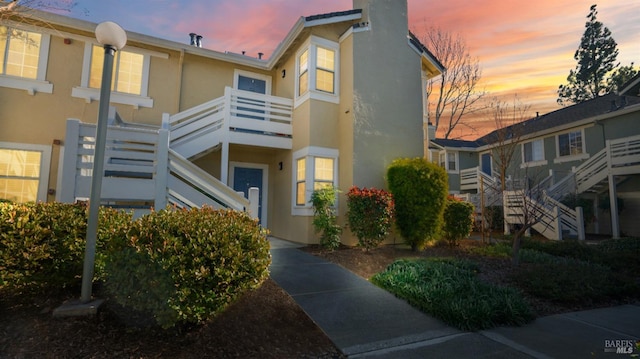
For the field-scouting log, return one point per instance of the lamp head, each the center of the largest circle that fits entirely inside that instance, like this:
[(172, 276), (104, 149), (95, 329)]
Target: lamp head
[(110, 33)]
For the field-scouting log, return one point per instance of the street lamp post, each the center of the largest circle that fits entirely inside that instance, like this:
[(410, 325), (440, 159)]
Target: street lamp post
[(113, 38)]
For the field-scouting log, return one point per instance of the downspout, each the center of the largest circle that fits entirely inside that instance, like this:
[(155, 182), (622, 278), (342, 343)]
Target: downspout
[(178, 103)]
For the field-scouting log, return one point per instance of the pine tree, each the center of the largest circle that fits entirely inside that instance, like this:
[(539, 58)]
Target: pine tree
[(596, 58)]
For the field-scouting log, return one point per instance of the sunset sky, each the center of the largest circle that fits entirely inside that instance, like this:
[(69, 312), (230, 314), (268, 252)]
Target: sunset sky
[(524, 47)]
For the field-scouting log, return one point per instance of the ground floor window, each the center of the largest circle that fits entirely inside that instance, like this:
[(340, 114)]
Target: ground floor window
[(314, 168), (24, 170)]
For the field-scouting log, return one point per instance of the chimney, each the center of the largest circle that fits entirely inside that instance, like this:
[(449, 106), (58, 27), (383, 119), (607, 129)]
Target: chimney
[(193, 39), (199, 40), (260, 55), (613, 105), (431, 131)]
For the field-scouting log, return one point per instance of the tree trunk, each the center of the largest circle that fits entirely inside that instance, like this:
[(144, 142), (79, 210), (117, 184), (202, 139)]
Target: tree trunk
[(515, 253)]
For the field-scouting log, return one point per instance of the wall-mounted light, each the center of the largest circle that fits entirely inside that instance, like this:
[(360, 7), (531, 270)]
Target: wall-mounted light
[(284, 73), (280, 166)]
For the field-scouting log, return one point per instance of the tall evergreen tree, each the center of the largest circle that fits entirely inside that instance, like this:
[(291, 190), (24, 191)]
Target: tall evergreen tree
[(596, 58)]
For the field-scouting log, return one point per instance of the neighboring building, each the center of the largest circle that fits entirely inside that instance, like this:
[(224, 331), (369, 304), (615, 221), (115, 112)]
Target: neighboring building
[(338, 100), (591, 149)]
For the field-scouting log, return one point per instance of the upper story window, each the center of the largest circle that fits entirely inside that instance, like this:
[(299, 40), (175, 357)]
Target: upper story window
[(449, 161), (314, 168), (570, 146), (127, 71), (130, 77), (317, 71), (23, 60), (533, 153)]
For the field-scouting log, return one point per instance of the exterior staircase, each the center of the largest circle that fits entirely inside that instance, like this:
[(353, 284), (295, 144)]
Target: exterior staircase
[(150, 166), (619, 158)]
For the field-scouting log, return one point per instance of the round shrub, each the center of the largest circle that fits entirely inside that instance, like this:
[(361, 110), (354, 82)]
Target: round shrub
[(419, 191), (42, 244), (185, 266), (370, 214), (458, 220)]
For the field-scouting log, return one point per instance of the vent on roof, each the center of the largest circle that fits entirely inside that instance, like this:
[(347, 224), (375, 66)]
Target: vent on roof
[(196, 40)]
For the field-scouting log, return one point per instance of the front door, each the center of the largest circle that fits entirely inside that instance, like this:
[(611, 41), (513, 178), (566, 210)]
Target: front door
[(250, 84), (486, 163), (245, 178)]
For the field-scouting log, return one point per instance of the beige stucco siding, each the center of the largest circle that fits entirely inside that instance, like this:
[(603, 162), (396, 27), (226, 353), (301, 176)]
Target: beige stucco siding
[(387, 94)]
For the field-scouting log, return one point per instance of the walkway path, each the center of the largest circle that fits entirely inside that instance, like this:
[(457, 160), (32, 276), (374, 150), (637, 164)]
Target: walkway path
[(363, 320)]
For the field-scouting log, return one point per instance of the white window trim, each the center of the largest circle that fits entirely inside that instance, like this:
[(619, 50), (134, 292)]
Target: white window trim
[(446, 160), (254, 75), (45, 164), (30, 85), (568, 158), (309, 153), (265, 184), (90, 94), (537, 163), (311, 44)]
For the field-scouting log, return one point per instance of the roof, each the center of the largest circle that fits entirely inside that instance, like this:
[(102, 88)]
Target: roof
[(413, 39), (565, 116), (445, 142), (631, 87), (332, 14)]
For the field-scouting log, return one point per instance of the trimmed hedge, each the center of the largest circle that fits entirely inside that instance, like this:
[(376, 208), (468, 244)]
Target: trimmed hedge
[(419, 190), (185, 266), (180, 266), (370, 215), (42, 244), (458, 220)]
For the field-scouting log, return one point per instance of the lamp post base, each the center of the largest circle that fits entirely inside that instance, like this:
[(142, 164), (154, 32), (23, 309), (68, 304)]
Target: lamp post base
[(76, 308)]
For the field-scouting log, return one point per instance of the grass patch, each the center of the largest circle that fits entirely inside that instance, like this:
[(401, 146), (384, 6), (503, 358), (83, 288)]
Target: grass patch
[(449, 290)]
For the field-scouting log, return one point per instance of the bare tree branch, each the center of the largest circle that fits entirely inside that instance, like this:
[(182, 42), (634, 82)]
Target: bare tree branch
[(454, 94)]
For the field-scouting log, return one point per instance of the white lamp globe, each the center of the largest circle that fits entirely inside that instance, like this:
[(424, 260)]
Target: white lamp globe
[(110, 33)]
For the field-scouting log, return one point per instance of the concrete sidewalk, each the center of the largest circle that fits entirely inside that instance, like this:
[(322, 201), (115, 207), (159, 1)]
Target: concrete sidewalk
[(364, 321)]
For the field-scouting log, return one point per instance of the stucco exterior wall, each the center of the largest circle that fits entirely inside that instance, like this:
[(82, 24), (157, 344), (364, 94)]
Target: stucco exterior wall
[(387, 92)]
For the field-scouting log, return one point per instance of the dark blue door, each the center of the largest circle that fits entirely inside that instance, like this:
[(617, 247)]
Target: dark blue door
[(244, 178), (252, 85), (486, 163)]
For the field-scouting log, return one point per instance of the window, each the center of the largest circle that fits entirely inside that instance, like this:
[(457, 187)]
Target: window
[(325, 71), (533, 153), (303, 70), (23, 172), (23, 60), (127, 71), (571, 145), (317, 71), (301, 169), (449, 161), (130, 77), (314, 168)]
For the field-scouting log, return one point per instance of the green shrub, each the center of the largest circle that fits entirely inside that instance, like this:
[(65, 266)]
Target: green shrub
[(324, 217), (573, 282), (566, 248), (42, 244), (458, 220), (573, 200), (370, 214), (419, 191), (185, 266), (621, 255), (449, 290)]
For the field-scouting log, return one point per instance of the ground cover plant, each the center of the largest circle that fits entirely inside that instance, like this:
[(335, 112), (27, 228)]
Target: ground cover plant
[(450, 291)]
